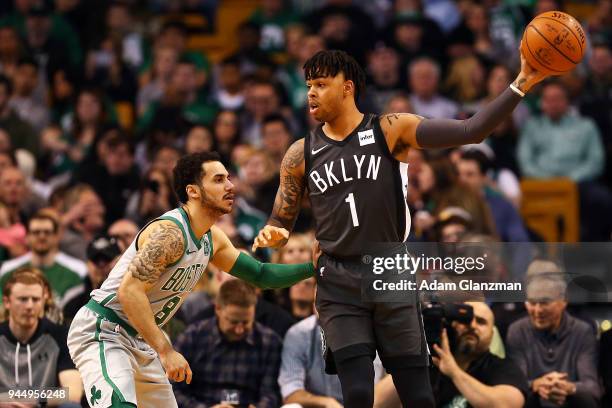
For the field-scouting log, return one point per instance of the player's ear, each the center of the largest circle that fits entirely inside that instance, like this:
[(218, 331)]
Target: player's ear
[(349, 87), (193, 191)]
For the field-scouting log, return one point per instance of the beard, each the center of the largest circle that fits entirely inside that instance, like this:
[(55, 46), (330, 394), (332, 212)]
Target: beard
[(213, 207), (41, 251), (466, 346)]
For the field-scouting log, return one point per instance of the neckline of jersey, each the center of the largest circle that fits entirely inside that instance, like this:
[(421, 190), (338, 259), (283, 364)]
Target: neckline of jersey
[(347, 138), (196, 241)]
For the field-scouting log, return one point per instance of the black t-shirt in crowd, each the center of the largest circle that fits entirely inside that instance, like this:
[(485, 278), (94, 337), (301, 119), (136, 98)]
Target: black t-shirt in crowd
[(488, 369)]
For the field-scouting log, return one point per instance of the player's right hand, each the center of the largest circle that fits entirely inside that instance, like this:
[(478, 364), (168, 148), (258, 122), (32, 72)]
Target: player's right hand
[(270, 237), (177, 368)]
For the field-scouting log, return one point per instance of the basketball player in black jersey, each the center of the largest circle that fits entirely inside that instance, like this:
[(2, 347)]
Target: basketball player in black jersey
[(353, 167)]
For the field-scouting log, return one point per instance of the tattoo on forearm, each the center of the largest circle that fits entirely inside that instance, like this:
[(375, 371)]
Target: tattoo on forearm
[(164, 246), (291, 189)]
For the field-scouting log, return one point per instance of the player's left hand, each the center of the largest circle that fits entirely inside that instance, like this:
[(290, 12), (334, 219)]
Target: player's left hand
[(176, 366), (445, 360), (529, 76)]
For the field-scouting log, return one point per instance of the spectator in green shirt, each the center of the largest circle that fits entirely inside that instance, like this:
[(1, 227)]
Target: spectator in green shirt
[(174, 34), (559, 143), (272, 17), (62, 271)]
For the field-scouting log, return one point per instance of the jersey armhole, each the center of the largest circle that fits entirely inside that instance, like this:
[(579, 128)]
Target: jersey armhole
[(306, 154), (384, 146), (212, 248)]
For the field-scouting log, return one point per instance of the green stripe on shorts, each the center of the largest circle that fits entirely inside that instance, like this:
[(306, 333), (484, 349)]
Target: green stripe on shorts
[(103, 361)]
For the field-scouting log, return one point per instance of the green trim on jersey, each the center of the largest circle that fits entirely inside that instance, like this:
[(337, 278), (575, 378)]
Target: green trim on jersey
[(107, 299), (195, 239), (209, 233), (110, 315)]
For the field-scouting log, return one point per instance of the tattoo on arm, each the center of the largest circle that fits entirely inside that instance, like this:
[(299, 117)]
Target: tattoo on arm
[(519, 83), (291, 189), (392, 118), (164, 246), (401, 145)]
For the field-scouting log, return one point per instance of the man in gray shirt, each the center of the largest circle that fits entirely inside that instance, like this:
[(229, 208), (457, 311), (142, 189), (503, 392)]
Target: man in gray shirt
[(302, 378), (556, 351)]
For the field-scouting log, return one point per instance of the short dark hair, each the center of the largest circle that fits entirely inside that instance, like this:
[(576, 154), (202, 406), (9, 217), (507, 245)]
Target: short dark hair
[(28, 61), (555, 82), (236, 292), (42, 216), (189, 170), (276, 117), (231, 60), (175, 25), (6, 82), (330, 63), (483, 162), (118, 140)]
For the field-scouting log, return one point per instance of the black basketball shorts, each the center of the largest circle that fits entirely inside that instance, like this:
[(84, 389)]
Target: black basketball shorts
[(353, 327)]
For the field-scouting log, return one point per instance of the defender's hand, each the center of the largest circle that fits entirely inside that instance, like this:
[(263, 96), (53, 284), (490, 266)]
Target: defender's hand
[(177, 368), (270, 237)]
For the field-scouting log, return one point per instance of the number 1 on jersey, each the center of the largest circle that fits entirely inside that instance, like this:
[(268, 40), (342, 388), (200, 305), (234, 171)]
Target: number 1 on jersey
[(350, 199)]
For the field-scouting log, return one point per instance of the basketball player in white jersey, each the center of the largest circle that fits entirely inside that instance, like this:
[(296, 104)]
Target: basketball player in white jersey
[(116, 340)]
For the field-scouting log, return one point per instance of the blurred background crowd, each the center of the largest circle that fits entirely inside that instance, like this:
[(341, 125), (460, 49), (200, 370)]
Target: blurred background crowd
[(99, 99)]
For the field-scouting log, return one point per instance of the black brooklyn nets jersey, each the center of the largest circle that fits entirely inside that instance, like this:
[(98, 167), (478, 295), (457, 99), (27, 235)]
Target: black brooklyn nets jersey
[(357, 190)]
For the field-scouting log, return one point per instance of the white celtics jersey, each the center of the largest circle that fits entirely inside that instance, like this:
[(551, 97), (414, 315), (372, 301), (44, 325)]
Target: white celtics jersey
[(175, 282)]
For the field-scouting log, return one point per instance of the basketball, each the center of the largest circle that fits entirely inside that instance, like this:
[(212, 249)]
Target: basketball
[(553, 42)]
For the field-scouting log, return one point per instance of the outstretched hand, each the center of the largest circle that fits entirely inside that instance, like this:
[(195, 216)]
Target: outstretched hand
[(529, 76), (270, 237)]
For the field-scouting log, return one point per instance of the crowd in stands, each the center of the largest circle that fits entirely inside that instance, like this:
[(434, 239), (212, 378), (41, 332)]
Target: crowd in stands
[(79, 177)]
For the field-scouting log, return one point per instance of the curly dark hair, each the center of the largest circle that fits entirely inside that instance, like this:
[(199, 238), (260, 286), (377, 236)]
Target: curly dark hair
[(189, 170), (330, 63)]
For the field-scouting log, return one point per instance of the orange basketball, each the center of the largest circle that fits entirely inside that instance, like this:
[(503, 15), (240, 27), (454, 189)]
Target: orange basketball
[(553, 42)]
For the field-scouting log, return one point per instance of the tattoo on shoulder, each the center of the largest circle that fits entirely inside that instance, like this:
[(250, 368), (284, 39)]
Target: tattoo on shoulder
[(291, 189), (294, 156), (164, 246), (393, 117)]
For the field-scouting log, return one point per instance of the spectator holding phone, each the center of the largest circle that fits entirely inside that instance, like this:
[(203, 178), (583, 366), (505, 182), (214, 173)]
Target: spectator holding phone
[(154, 198)]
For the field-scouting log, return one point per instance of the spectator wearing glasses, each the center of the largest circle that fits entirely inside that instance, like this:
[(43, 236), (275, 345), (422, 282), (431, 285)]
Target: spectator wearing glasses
[(124, 231), (61, 270), (556, 351), (235, 360), (102, 254)]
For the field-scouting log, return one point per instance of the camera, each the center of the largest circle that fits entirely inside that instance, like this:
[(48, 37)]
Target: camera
[(152, 185), (438, 316)]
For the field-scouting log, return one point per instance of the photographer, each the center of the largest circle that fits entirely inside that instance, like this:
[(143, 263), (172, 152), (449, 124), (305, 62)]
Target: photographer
[(154, 198), (467, 374), (471, 373)]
